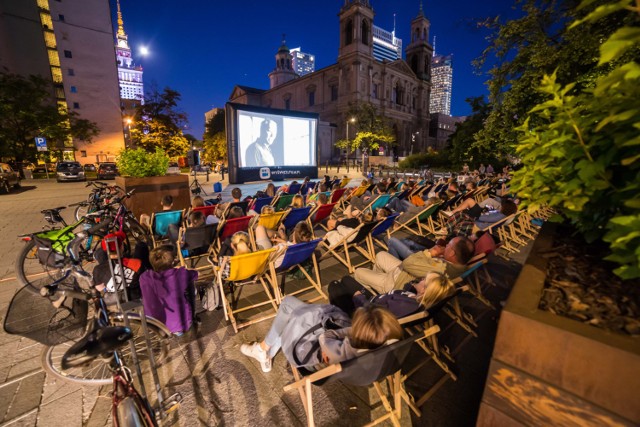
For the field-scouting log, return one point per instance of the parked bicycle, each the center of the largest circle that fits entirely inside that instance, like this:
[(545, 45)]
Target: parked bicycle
[(100, 196)]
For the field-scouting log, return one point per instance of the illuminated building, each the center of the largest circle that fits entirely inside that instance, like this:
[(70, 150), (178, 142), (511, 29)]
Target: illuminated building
[(129, 74), (386, 46), (303, 63), (70, 44), (442, 83)]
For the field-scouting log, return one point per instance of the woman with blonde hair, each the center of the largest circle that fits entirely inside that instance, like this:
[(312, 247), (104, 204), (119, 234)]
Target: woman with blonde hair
[(416, 295), (370, 328), (297, 202), (240, 244)]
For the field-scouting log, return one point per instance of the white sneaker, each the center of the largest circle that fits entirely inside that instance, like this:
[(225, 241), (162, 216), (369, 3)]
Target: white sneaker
[(254, 350)]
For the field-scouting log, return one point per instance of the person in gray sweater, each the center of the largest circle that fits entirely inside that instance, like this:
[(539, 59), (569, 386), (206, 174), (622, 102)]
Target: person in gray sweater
[(370, 328)]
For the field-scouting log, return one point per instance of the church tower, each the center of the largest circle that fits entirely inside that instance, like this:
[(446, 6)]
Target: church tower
[(129, 74), (418, 51), (356, 24), (284, 66)]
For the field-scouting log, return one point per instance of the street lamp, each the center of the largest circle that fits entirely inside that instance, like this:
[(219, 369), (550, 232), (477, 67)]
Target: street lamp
[(413, 140), (127, 134), (352, 120)]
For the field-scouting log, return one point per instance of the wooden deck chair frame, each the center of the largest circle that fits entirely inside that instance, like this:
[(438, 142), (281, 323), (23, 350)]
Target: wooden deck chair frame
[(391, 399), (325, 211), (268, 221), (221, 234), (315, 283), (375, 203), (344, 245), (254, 272), (459, 316), (194, 259), (383, 228), (423, 220), (356, 192), (156, 241)]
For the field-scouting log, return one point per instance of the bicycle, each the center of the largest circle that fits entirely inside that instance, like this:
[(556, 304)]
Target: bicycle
[(98, 197), (62, 314)]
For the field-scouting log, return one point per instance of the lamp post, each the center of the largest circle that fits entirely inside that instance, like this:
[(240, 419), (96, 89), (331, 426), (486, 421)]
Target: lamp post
[(352, 120), (127, 134), (413, 140)]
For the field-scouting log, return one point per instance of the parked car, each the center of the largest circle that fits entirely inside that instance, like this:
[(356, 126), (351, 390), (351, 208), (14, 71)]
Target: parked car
[(107, 170), (173, 169), (70, 171), (8, 178), (42, 168), (89, 167)]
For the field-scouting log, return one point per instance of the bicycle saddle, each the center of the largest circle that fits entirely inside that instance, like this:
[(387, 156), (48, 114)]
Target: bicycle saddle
[(94, 344), (52, 216)]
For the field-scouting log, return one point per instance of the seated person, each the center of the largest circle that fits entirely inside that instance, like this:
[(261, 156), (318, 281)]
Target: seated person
[(322, 199), (196, 219), (463, 224), (419, 294), (321, 188), (343, 228), (371, 328), (391, 273), (197, 202), (413, 210), (168, 294), (236, 195), (301, 233), (297, 202), (238, 244), (358, 204), (507, 208), (166, 203)]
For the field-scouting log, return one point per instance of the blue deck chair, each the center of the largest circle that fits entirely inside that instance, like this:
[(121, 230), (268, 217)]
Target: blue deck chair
[(259, 203), (379, 202), (378, 233), (295, 216), (294, 188), (294, 258), (160, 222)]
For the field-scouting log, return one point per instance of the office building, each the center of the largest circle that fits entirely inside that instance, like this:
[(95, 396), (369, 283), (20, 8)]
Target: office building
[(303, 63), (398, 90), (70, 44), (386, 46), (442, 84), (129, 74)]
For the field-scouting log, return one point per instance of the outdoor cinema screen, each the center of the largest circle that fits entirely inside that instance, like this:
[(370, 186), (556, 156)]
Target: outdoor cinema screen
[(280, 141)]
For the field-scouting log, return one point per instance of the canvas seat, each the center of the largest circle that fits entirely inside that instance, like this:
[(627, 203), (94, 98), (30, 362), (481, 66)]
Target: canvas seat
[(378, 234), (369, 368), (196, 244), (160, 222), (294, 188), (336, 195), (423, 220), (206, 210), (319, 214), (246, 269), (283, 201), (340, 250), (259, 203), (228, 227), (295, 216), (268, 221), (295, 257)]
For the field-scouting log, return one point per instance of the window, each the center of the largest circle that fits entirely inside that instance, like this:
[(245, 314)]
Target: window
[(374, 91), (61, 18), (71, 72), (312, 98), (334, 92), (68, 54), (49, 39), (56, 74), (74, 89), (76, 105), (365, 33), (287, 104), (83, 153), (54, 59), (348, 33)]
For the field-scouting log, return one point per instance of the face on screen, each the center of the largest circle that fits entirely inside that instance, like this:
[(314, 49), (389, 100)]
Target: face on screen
[(271, 130)]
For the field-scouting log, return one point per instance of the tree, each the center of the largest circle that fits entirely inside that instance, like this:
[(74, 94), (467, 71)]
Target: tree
[(372, 132), (463, 147), (158, 123), (523, 50), (28, 110), (215, 138)]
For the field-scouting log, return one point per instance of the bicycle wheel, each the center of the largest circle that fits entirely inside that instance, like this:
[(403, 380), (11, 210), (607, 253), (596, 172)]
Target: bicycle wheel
[(98, 371), (32, 272), (81, 210), (133, 229), (131, 413)]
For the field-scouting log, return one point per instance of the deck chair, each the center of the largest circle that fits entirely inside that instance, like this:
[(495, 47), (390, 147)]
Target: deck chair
[(243, 270), (319, 214), (416, 323), (336, 195), (296, 215), (294, 188), (345, 182), (353, 240), (378, 233), (294, 258), (423, 220), (282, 201), (377, 203), (268, 221), (496, 229), (356, 192), (196, 244), (259, 203), (206, 210), (160, 222), (369, 368), (227, 227)]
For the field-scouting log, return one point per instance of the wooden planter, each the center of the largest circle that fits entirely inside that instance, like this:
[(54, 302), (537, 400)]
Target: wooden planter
[(149, 192), (551, 370)]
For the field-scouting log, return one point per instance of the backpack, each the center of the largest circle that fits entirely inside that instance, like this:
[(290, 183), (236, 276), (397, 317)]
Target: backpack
[(300, 338)]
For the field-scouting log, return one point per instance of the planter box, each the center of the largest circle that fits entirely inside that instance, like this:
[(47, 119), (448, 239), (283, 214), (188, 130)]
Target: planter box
[(551, 370), (149, 192)]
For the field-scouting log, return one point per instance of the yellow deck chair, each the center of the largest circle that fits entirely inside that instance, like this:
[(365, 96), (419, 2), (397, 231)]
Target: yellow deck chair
[(246, 269), (268, 221)]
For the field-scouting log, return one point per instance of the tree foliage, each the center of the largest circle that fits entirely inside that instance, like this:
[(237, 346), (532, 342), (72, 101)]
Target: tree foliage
[(579, 145), (158, 123), (523, 50), (28, 110), (140, 163), (215, 139), (463, 146)]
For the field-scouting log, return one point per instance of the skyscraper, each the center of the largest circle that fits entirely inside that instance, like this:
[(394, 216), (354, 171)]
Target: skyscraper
[(303, 63), (386, 46), (70, 44), (441, 84), (129, 74)]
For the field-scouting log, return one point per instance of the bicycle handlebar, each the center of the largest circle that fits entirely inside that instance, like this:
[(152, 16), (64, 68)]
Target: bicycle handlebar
[(74, 245)]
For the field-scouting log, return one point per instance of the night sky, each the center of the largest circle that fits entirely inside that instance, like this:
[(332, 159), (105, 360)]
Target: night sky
[(203, 48)]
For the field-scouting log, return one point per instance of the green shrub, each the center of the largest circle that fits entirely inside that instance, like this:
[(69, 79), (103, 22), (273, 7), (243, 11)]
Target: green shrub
[(139, 163), (430, 159)]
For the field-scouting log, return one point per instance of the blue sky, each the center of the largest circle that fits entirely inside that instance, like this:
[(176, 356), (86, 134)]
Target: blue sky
[(203, 48)]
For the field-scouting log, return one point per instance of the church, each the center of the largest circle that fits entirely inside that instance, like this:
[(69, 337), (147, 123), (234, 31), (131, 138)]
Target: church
[(399, 90)]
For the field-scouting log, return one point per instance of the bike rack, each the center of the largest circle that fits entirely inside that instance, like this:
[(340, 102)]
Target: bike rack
[(173, 401)]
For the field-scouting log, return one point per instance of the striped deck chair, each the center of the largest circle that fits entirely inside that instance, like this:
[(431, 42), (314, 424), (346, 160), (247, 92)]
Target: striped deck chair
[(294, 259), (354, 240), (160, 222)]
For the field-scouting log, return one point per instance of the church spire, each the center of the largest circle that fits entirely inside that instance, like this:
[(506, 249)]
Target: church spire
[(420, 12)]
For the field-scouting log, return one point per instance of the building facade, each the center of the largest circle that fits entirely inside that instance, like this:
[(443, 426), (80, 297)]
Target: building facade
[(442, 84), (386, 46), (129, 74), (441, 127), (303, 63), (70, 44), (398, 90)]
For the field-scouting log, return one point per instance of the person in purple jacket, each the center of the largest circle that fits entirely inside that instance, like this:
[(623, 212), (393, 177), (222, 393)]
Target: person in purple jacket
[(168, 294)]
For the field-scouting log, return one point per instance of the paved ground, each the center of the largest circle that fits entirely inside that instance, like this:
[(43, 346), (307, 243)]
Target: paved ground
[(220, 386)]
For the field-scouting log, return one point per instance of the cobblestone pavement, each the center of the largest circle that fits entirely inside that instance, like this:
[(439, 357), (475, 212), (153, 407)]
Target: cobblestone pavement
[(219, 385)]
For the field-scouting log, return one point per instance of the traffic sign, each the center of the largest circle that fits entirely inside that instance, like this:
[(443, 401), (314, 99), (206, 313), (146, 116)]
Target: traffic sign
[(41, 143)]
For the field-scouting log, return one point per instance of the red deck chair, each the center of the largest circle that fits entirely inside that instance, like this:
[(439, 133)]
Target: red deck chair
[(228, 227), (319, 214)]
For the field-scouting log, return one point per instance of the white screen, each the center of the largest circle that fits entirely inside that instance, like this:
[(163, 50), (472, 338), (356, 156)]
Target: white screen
[(275, 140)]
